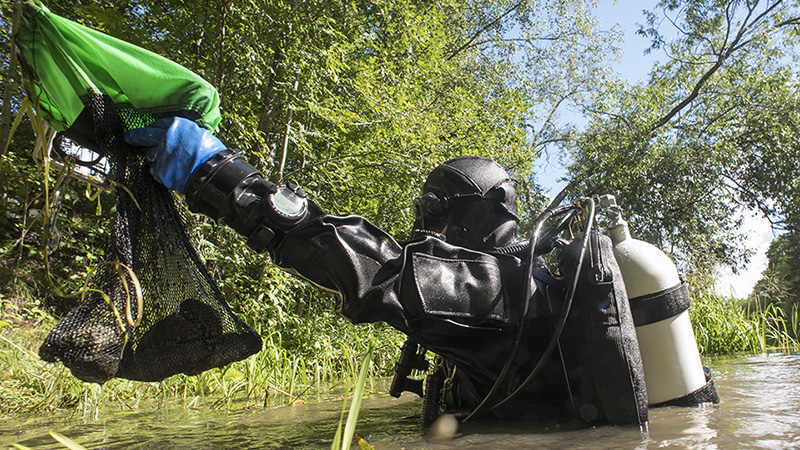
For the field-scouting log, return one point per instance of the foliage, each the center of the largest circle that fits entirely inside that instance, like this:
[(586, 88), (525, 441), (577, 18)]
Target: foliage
[(80, 222), (356, 102), (713, 130), (275, 376), (781, 281)]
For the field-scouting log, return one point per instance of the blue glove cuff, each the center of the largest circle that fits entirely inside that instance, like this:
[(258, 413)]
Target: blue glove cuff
[(178, 147)]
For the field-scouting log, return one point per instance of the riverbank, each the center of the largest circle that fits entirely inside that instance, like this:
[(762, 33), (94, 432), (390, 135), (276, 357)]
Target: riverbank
[(760, 409), (276, 376), (280, 375)]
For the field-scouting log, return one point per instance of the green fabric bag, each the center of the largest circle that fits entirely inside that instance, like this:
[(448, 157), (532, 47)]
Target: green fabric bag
[(72, 62)]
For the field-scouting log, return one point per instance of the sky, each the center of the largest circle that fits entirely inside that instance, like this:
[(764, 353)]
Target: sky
[(635, 65)]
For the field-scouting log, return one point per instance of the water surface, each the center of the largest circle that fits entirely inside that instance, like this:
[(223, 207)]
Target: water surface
[(760, 409)]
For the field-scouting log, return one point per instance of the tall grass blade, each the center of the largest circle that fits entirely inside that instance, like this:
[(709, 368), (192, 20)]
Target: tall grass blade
[(67, 442), (355, 407), (342, 440), (337, 438)]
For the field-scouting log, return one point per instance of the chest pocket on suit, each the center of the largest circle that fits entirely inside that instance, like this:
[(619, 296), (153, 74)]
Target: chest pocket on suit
[(456, 288)]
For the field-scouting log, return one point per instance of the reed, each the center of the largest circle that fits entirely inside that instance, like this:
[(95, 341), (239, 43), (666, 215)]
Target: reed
[(283, 373), (726, 325), (344, 436)]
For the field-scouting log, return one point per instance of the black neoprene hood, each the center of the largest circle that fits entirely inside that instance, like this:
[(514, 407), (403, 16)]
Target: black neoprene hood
[(473, 175), (475, 198)]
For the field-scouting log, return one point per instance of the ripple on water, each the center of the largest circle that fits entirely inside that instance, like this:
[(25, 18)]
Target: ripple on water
[(760, 409)]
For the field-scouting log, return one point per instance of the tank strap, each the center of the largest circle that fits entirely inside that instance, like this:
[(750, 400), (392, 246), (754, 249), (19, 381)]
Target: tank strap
[(660, 305)]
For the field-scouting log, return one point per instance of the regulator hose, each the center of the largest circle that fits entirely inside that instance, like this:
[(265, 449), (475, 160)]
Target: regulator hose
[(569, 211), (564, 312)]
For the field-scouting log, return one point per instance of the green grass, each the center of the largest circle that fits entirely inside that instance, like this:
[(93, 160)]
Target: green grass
[(282, 374), (344, 436), (725, 325), (275, 376)]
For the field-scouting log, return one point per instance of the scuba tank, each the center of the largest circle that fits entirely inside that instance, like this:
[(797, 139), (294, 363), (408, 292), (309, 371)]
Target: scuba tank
[(659, 302)]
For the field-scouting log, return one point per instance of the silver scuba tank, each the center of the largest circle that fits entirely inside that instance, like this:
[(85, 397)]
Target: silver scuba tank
[(659, 304)]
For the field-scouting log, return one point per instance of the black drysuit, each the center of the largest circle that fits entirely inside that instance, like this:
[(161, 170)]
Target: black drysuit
[(465, 306)]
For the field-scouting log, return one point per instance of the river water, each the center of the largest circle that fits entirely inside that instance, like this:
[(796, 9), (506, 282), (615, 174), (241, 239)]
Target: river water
[(760, 409)]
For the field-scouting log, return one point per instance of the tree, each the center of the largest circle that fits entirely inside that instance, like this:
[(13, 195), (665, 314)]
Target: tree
[(354, 98), (781, 281), (357, 101), (712, 130)]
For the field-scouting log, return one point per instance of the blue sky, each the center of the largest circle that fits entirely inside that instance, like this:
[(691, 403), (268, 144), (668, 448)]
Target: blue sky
[(633, 65)]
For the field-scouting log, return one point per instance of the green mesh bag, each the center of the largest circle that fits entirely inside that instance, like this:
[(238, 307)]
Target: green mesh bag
[(93, 88)]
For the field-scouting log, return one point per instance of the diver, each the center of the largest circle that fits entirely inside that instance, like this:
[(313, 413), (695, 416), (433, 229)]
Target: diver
[(512, 338)]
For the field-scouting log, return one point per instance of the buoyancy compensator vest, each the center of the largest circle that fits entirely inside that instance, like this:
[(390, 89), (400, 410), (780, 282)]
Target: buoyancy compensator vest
[(600, 349), (608, 346), (593, 341)]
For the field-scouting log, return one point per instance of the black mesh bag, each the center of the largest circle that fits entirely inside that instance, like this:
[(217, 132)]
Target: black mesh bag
[(151, 310)]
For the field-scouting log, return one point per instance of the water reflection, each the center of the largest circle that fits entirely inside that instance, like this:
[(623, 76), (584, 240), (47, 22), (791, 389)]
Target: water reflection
[(760, 409), (683, 428)]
